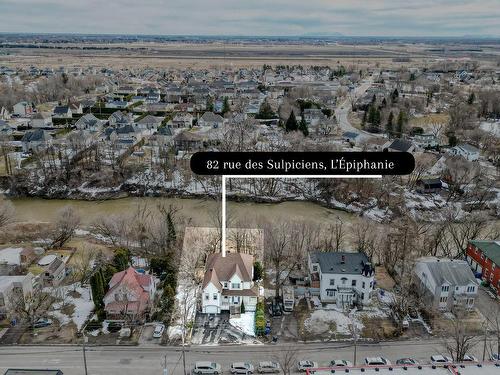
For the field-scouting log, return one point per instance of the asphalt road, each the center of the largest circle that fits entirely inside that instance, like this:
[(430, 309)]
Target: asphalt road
[(149, 361), (344, 109)]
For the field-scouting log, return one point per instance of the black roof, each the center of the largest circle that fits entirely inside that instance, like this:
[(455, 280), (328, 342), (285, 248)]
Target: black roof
[(400, 145), (340, 262), (61, 109)]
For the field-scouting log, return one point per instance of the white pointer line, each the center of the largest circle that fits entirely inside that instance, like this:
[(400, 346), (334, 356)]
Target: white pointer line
[(225, 177)]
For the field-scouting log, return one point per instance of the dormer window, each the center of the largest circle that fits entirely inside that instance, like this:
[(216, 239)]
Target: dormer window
[(225, 285), (235, 286)]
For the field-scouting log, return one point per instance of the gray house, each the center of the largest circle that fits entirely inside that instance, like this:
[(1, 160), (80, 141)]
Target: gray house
[(35, 140), (445, 284)]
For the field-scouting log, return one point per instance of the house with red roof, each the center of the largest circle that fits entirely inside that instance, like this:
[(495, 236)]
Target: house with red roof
[(228, 283), (130, 295)]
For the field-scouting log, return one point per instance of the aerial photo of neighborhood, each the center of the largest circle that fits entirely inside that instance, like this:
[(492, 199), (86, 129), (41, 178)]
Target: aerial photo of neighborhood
[(117, 258)]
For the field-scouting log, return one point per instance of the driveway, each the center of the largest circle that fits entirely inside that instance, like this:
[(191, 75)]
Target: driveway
[(487, 306), (146, 338), (213, 329)]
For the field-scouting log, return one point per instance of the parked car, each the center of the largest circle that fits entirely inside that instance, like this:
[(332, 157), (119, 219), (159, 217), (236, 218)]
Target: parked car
[(41, 323), (158, 331), (302, 366), (495, 357), (340, 363), (268, 367), (439, 359), (211, 368), (377, 361), (407, 361), (242, 368), (470, 358), (275, 308)]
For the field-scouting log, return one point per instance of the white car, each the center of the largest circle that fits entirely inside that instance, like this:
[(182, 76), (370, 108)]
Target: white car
[(158, 331), (304, 365), (470, 358), (268, 367), (242, 368), (340, 363), (377, 361), (210, 368), (439, 359)]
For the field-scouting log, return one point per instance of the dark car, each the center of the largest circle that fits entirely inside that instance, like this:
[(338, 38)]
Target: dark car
[(275, 308), (407, 361), (41, 323)]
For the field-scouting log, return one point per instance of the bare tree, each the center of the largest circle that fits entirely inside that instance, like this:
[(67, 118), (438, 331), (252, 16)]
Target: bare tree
[(460, 339), (7, 212), (287, 359), (32, 307), (64, 227), (83, 263)]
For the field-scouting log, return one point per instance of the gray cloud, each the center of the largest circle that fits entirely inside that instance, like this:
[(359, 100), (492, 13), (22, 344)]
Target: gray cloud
[(253, 17)]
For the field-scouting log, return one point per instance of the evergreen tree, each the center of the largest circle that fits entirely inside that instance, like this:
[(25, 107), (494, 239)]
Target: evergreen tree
[(242, 308), (372, 113), (377, 119), (171, 232), (374, 98), (210, 104), (258, 271), (412, 77), (401, 123), (471, 99), (452, 139), (389, 127), (363, 121), (226, 107), (384, 103), (303, 127), (291, 124), (121, 260), (265, 111), (395, 95)]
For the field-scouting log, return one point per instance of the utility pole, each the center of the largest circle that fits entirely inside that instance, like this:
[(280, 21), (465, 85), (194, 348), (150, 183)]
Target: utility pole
[(84, 355), (165, 371), (485, 338)]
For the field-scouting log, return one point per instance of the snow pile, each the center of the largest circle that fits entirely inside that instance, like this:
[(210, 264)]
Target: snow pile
[(332, 321), (11, 255), (491, 127), (245, 323)]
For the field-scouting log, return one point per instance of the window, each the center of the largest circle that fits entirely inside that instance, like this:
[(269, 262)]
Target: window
[(235, 286), (207, 297), (315, 268), (445, 288), (471, 289), (343, 280), (332, 281), (330, 293), (362, 296), (470, 301), (353, 283), (215, 296), (363, 285), (443, 299), (225, 284)]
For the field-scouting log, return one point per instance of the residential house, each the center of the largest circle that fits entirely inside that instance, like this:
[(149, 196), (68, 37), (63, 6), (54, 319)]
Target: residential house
[(483, 257), (76, 107), (149, 123), (429, 185), (400, 145), (23, 109), (445, 284), (467, 151), (62, 111), (313, 116), (54, 272), (181, 120), (163, 137), (120, 118), (12, 290), (35, 140), (188, 141), (89, 123), (343, 278), (4, 114), (130, 294), (5, 129), (41, 120), (228, 283), (211, 119), (351, 137), (426, 140)]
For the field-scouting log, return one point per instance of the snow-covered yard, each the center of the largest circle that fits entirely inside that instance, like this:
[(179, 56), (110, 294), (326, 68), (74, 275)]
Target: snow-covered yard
[(245, 323), (77, 296), (11, 255), (184, 310)]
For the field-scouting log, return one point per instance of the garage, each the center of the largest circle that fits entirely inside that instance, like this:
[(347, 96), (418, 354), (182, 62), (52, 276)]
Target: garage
[(211, 309)]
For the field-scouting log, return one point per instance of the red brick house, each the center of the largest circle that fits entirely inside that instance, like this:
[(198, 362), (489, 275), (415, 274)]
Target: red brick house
[(484, 259)]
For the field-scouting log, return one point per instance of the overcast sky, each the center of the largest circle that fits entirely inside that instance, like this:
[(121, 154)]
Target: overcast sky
[(254, 17)]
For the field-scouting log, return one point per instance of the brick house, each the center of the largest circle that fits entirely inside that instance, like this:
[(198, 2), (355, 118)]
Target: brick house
[(484, 259)]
